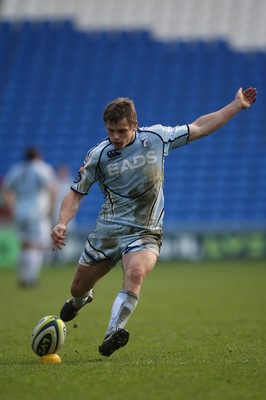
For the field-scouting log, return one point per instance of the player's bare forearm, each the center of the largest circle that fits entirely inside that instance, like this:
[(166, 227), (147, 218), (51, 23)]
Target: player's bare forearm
[(68, 210), (10, 201), (69, 207), (209, 123)]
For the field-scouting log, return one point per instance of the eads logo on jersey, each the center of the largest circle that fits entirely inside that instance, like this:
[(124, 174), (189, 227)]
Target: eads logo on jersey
[(117, 168)]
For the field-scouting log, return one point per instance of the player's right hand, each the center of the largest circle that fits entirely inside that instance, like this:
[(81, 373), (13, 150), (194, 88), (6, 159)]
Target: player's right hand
[(58, 236)]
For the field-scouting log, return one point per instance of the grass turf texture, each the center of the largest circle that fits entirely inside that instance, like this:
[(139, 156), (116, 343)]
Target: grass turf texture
[(198, 333)]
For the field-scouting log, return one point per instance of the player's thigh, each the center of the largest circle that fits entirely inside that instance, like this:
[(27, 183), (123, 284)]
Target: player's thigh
[(29, 231), (137, 264), (86, 276)]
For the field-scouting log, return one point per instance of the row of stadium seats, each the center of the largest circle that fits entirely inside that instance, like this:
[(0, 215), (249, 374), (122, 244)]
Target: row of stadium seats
[(238, 20), (56, 80)]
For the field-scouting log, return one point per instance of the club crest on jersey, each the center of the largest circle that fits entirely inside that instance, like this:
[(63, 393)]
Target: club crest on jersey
[(145, 142)]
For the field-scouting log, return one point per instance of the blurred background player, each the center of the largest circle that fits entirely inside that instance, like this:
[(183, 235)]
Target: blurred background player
[(64, 181), (30, 192)]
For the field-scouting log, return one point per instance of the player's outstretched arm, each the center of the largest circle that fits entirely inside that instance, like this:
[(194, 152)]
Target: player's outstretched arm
[(209, 123), (68, 210)]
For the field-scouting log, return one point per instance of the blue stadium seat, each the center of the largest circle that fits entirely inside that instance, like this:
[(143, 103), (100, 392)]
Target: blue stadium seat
[(56, 80)]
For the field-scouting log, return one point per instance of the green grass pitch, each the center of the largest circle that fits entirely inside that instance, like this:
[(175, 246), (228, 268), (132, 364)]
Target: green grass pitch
[(198, 332)]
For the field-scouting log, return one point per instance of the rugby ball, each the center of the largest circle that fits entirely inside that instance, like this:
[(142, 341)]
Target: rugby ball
[(48, 336)]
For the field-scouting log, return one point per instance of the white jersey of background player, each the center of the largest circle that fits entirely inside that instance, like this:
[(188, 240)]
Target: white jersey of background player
[(29, 191)]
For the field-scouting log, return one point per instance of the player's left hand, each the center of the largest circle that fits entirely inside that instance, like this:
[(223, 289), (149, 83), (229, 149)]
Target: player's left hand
[(246, 97)]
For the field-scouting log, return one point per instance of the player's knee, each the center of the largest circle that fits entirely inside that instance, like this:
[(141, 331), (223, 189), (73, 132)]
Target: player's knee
[(136, 275)]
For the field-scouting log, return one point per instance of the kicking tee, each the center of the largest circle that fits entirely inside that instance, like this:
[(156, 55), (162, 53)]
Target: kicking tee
[(131, 179)]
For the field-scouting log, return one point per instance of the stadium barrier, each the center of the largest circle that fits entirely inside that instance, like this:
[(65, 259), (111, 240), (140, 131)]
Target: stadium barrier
[(176, 246)]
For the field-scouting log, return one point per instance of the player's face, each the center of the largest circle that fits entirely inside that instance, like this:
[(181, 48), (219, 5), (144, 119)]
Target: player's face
[(121, 134)]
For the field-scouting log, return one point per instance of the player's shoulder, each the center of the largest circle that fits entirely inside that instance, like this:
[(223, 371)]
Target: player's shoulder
[(153, 129), (43, 171), (166, 133), (16, 170), (94, 154), (12, 173), (99, 147), (42, 166), (156, 130)]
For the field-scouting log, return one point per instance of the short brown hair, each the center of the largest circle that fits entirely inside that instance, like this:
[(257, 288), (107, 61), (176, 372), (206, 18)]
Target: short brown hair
[(118, 109), (32, 154)]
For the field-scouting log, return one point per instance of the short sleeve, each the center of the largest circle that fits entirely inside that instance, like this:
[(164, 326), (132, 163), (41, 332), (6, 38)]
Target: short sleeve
[(172, 136)]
